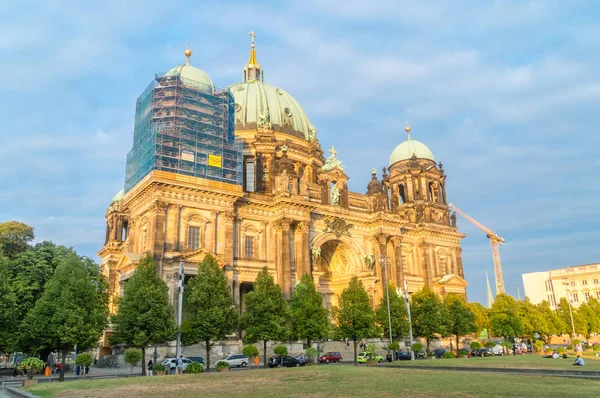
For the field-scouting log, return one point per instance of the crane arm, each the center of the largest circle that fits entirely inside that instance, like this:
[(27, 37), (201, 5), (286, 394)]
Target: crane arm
[(490, 234)]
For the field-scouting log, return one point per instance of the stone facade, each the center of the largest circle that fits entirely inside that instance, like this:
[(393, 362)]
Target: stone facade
[(298, 218)]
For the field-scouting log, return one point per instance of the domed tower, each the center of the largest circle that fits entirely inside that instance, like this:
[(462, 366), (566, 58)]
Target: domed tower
[(416, 184), (281, 149)]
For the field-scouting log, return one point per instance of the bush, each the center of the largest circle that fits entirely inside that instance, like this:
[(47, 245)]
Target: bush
[(596, 347), (570, 347), (462, 353), (539, 344), (250, 351), (394, 346), (371, 350), (576, 342), (560, 350), (506, 345), (280, 350), (475, 345), (194, 367), (33, 366), (430, 354), (311, 353), (132, 357), (221, 365), (417, 347), (84, 359), (449, 354), (490, 344), (159, 368)]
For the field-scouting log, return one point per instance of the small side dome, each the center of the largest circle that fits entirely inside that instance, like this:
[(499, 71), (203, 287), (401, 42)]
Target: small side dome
[(410, 148), (192, 76), (119, 196)]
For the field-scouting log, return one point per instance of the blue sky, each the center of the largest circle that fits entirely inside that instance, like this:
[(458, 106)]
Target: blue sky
[(505, 93)]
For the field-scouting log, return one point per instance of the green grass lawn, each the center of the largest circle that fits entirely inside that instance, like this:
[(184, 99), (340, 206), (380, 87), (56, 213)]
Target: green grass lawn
[(326, 381), (510, 361)]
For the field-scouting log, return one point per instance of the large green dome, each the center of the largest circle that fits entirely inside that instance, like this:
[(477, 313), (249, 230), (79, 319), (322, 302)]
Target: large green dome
[(192, 76), (408, 148), (254, 98)]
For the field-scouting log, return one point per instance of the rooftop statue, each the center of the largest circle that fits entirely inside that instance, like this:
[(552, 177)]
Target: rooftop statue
[(332, 162)]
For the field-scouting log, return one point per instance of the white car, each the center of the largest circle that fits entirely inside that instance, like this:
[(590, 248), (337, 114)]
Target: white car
[(171, 364), (236, 360)]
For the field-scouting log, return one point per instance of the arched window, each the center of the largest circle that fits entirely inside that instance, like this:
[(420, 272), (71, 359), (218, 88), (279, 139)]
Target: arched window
[(402, 194), (430, 191)]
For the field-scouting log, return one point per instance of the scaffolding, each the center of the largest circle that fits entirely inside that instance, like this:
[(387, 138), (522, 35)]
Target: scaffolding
[(184, 128)]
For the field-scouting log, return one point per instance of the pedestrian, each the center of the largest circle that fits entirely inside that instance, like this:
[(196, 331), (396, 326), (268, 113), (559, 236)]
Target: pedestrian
[(149, 367), (87, 369), (180, 365), (16, 370)]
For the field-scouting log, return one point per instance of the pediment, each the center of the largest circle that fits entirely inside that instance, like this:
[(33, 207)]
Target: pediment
[(452, 280), (197, 256)]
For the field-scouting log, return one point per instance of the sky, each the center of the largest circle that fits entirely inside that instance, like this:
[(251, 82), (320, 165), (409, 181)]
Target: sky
[(505, 93)]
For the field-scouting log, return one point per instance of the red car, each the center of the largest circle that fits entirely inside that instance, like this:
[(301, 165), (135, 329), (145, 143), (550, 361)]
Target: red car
[(330, 357)]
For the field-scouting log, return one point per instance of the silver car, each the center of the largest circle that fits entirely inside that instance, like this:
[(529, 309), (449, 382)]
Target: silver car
[(236, 360)]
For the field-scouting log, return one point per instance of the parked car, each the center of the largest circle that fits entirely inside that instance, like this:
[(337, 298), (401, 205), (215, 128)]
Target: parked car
[(171, 364), (364, 357), (197, 359), (284, 361), (439, 353), (330, 357), (236, 361), (483, 352), (402, 355)]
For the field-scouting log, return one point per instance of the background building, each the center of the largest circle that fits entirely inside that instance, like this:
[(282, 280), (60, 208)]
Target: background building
[(240, 173), (579, 283)]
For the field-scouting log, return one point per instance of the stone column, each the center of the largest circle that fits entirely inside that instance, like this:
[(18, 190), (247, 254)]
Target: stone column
[(397, 242), (286, 277), (177, 232), (211, 235), (426, 263), (226, 229), (158, 219), (383, 276), (304, 252), (459, 264)]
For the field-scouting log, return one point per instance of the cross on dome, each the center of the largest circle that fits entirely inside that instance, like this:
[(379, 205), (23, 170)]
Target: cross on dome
[(332, 151), (253, 36)]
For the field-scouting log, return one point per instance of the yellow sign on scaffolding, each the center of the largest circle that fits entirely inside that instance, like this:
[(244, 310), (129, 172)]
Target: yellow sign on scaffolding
[(215, 161)]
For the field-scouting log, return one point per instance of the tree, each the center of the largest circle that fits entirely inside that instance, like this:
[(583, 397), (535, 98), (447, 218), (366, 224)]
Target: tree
[(503, 317), (482, 316), (84, 359), (15, 238), (73, 309), (145, 315), (531, 318), (308, 316), (462, 319), (209, 307), (250, 351), (554, 325), (8, 302), (589, 318), (133, 357), (429, 317), (354, 316), (564, 313), (398, 314), (267, 315)]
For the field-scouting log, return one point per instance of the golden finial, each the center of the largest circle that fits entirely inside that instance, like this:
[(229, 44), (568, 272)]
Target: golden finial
[(253, 36), (407, 129), (188, 53)]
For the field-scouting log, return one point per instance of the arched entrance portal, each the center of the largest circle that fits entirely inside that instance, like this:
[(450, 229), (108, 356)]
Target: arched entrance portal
[(337, 263)]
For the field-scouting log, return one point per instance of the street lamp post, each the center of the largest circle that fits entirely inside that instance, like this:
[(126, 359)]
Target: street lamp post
[(566, 284), (383, 260), (410, 333)]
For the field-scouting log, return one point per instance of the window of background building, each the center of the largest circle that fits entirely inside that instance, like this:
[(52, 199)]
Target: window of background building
[(598, 295), (553, 301), (250, 175), (587, 296), (596, 281), (193, 238), (575, 297), (584, 282), (249, 247), (572, 283)]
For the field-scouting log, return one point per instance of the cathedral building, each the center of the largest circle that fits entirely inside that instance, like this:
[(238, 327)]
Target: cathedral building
[(239, 173)]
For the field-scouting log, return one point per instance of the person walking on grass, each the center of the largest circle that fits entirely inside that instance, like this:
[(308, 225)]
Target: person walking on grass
[(149, 367)]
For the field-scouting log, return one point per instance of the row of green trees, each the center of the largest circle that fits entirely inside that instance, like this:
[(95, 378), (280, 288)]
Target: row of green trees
[(51, 298)]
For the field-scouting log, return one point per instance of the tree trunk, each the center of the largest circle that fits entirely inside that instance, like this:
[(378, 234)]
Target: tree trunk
[(427, 341), (457, 341), (144, 361), (207, 354), (62, 366), (354, 359), (265, 353)]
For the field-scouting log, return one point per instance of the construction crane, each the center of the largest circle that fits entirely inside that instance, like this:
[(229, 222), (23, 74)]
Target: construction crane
[(495, 241)]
